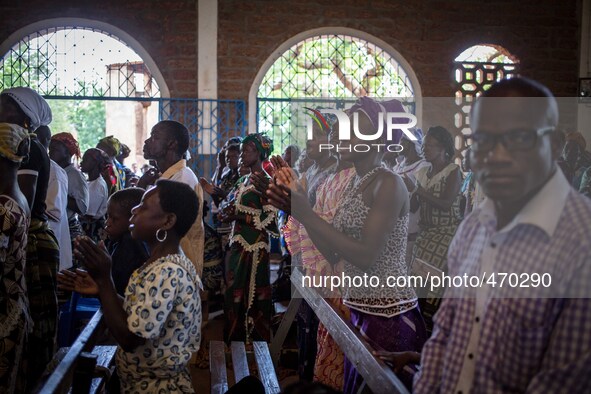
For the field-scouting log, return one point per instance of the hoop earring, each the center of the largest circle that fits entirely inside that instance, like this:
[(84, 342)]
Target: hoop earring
[(158, 236)]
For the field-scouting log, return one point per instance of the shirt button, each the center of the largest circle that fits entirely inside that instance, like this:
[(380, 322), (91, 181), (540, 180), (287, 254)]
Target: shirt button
[(477, 319), (470, 356)]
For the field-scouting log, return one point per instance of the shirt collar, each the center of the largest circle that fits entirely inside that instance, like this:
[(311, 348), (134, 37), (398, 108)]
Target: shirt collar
[(543, 210), (173, 169)]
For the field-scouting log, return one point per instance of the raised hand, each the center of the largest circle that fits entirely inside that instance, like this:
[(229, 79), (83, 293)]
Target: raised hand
[(279, 196), (260, 182), (149, 178), (79, 281), (286, 176), (278, 162), (208, 187), (94, 258), (228, 214)]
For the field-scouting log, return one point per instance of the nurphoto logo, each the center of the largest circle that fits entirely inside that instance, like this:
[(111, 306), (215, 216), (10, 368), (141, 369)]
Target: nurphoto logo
[(393, 121)]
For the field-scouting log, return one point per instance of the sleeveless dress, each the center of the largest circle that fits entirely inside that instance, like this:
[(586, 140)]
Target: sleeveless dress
[(438, 228), (388, 317)]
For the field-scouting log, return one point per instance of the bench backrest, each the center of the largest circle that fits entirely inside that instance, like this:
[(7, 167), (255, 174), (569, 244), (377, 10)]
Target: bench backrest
[(217, 366), (60, 381), (378, 376)]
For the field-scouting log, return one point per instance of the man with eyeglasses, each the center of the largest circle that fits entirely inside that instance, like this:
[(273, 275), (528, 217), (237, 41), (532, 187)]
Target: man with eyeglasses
[(507, 338)]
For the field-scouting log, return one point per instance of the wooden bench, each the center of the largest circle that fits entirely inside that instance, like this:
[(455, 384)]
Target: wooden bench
[(91, 365), (377, 376), (217, 366)]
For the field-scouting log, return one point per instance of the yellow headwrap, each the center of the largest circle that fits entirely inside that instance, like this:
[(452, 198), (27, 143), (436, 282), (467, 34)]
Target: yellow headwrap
[(11, 136), (113, 143)]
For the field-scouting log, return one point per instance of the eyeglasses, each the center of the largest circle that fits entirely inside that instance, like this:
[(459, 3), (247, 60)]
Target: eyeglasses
[(514, 140)]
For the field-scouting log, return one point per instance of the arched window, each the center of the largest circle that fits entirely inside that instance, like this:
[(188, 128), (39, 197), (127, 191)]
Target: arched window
[(476, 69), (328, 70), (95, 83), (77, 62)]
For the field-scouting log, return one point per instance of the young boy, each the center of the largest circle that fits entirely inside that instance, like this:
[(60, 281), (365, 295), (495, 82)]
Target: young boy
[(126, 253)]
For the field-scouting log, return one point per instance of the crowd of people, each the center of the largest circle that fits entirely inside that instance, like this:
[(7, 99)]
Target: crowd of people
[(84, 222)]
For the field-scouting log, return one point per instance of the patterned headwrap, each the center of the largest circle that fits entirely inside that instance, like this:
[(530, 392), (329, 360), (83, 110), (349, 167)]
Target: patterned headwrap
[(32, 104), (112, 142), (325, 121), (263, 143), (372, 109), (69, 141), (578, 138), (11, 136)]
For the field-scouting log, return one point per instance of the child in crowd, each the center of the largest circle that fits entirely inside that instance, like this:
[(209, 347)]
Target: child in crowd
[(93, 162), (127, 254), (157, 323)]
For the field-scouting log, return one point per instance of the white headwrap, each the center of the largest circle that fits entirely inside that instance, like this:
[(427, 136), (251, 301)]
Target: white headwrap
[(32, 104)]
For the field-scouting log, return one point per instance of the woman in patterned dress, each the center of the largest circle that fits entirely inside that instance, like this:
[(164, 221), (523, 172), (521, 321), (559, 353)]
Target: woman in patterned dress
[(248, 284), (15, 320), (25, 107), (369, 232), (437, 191), (157, 324), (323, 360)]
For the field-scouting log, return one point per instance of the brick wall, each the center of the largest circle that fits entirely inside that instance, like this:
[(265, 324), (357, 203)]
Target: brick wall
[(543, 34)]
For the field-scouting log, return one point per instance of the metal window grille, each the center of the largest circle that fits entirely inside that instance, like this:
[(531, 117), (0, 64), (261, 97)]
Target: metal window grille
[(338, 67), (472, 79), (210, 122), (74, 62)]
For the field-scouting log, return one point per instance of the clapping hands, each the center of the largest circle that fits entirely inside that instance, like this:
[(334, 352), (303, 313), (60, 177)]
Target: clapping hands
[(79, 281), (94, 258)]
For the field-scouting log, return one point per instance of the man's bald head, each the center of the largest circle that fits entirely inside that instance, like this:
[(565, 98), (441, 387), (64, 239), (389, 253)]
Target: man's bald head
[(514, 153), (542, 99)]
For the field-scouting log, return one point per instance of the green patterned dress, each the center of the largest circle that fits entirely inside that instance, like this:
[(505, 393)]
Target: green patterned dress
[(248, 292)]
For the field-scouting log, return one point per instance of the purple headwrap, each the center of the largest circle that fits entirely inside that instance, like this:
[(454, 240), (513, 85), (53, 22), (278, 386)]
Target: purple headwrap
[(372, 109)]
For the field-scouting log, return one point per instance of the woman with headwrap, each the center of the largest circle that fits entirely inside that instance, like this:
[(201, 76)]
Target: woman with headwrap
[(113, 174), (26, 108), (248, 292), (62, 148), (320, 358), (15, 320), (412, 162), (368, 232), (436, 190), (324, 164)]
